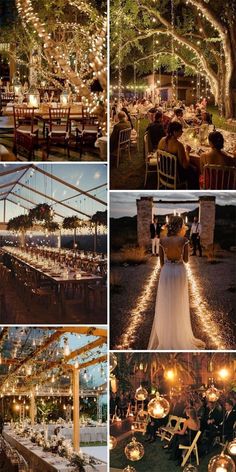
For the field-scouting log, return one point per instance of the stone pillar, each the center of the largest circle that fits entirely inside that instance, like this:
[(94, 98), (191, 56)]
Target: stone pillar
[(207, 220), (144, 219)]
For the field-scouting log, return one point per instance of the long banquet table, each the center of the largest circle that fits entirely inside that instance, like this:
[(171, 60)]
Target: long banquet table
[(59, 279), (39, 460)]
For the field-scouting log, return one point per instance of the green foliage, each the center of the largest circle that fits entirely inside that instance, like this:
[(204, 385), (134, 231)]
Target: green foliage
[(41, 212), (100, 217), (71, 222), (20, 223)]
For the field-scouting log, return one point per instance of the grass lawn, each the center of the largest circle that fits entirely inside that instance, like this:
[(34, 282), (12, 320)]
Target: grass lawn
[(155, 458), (220, 121)]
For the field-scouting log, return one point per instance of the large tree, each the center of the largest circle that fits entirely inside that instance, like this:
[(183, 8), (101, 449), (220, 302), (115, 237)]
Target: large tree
[(62, 40), (197, 33)]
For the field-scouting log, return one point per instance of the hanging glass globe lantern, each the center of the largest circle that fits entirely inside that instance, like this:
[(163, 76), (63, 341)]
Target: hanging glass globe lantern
[(112, 442), (232, 447), (64, 97), (134, 450), (141, 393), (221, 463), (33, 97), (190, 468), (113, 362), (158, 407), (129, 469), (212, 394)]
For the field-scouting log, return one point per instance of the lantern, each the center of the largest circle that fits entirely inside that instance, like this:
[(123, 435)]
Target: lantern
[(134, 450), (221, 463), (33, 97), (232, 447), (64, 98), (113, 362), (17, 85), (212, 394), (190, 468), (112, 442), (129, 469), (141, 394), (158, 407)]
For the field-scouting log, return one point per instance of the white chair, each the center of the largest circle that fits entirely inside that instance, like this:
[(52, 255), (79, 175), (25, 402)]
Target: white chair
[(190, 449), (123, 144), (150, 159), (166, 170), (174, 424), (219, 177)]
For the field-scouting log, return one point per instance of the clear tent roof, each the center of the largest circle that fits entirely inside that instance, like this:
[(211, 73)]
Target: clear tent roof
[(25, 186)]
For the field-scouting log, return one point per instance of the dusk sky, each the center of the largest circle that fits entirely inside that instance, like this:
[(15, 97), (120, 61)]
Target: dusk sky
[(124, 203)]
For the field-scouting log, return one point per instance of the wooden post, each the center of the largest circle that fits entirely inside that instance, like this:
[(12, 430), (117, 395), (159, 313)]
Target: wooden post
[(76, 404), (4, 211), (32, 406), (95, 237)]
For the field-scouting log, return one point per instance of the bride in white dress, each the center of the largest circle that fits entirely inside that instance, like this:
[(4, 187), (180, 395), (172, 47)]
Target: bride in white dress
[(171, 329)]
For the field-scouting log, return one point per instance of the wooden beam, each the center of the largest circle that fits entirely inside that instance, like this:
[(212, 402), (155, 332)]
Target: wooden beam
[(53, 199), (78, 194), (89, 331), (86, 348), (9, 185), (96, 360), (18, 168), (83, 192)]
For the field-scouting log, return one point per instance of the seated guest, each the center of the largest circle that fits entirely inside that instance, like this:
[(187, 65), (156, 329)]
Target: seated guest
[(171, 144), (205, 118), (185, 436), (178, 117), (227, 425), (156, 130), (217, 155), (153, 425), (213, 420), (122, 124), (125, 110)]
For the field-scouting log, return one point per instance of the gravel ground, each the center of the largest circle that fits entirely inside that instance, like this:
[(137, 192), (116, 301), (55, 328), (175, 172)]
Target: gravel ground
[(215, 299)]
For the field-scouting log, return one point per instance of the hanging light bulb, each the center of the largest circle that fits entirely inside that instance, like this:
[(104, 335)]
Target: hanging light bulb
[(76, 365), (53, 378), (212, 394), (232, 447), (141, 394), (129, 469), (221, 463), (134, 450), (66, 347), (141, 366), (158, 407), (113, 362), (112, 442), (85, 375)]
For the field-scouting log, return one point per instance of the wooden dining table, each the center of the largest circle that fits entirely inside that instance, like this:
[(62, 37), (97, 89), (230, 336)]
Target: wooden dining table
[(61, 282)]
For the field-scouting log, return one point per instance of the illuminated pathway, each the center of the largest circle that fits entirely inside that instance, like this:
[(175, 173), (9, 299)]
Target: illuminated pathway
[(209, 316), (136, 315)]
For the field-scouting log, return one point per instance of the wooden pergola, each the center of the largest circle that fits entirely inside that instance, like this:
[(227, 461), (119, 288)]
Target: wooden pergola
[(15, 380)]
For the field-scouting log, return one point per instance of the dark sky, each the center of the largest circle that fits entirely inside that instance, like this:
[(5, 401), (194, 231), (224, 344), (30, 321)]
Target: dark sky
[(7, 12)]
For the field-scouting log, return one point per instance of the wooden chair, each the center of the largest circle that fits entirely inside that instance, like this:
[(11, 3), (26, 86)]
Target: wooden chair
[(123, 144), (59, 128), (190, 449), (219, 177), (150, 158), (25, 131)]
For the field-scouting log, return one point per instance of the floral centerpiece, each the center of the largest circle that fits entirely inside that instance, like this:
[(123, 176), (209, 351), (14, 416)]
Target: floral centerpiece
[(80, 461)]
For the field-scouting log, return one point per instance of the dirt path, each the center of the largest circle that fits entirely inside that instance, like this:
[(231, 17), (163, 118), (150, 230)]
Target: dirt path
[(212, 303)]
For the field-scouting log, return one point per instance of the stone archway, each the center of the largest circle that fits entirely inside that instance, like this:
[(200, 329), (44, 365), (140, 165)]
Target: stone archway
[(145, 210)]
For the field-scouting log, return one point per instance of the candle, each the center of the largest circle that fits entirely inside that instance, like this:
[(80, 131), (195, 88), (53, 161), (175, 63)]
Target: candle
[(33, 101), (167, 219), (220, 469), (186, 219), (134, 454), (158, 410)]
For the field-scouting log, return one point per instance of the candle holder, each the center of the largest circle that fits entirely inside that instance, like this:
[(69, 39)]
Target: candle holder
[(134, 450), (158, 407)]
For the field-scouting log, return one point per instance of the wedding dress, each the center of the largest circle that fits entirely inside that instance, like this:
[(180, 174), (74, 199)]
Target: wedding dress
[(171, 329)]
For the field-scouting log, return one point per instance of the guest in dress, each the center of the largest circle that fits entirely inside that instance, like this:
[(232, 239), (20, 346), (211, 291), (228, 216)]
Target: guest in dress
[(171, 144), (155, 130), (217, 155), (185, 436)]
